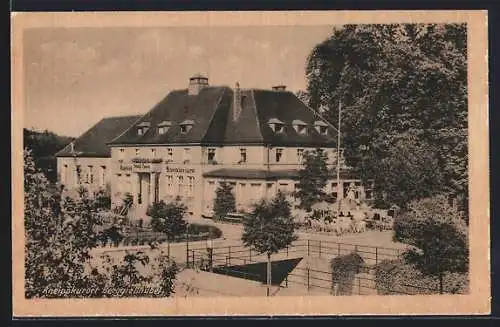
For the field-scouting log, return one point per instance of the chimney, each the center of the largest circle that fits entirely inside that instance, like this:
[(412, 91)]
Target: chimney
[(197, 83), (237, 101), (279, 88)]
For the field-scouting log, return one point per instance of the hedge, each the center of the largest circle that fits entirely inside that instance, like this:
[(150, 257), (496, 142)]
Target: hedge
[(398, 277), (196, 232)]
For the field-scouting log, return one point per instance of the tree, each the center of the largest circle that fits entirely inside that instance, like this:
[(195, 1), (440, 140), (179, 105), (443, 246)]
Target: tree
[(312, 179), (439, 238), (224, 201), (59, 238), (269, 228), (395, 79), (409, 171), (168, 218), (43, 146)]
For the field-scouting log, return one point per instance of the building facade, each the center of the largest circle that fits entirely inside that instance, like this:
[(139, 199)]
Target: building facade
[(198, 137)]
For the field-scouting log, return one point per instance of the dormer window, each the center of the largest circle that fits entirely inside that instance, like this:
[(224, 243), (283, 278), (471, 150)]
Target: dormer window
[(321, 127), (276, 125), (163, 127), (186, 126), (142, 128), (299, 126)]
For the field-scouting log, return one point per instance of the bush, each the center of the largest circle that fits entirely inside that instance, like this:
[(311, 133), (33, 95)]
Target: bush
[(344, 270), (212, 231), (397, 277)]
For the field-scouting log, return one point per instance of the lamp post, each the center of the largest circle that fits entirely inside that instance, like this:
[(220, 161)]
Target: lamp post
[(338, 162)]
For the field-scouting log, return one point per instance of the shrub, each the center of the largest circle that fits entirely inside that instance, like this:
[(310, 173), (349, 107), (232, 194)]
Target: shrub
[(212, 231), (344, 270), (398, 277)]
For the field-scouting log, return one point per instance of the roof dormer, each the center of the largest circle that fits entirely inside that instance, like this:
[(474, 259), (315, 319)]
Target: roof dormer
[(321, 127), (164, 126), (299, 126), (186, 126), (276, 125), (142, 128)]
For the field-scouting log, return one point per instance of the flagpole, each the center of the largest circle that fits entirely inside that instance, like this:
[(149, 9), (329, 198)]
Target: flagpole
[(338, 161)]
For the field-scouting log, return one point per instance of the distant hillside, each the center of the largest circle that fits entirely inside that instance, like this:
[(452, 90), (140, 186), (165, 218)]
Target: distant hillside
[(44, 146)]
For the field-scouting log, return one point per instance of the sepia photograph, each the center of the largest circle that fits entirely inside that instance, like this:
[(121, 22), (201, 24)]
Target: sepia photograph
[(192, 160)]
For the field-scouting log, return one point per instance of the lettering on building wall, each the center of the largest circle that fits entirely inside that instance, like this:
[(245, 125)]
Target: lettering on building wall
[(126, 167), (179, 170)]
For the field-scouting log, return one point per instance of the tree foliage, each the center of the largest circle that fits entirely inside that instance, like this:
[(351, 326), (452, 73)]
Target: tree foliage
[(43, 146), (224, 201), (60, 236), (168, 218), (313, 178), (394, 80), (439, 236), (270, 227)]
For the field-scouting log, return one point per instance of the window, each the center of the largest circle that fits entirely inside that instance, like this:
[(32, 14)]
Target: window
[(279, 128), (321, 127), (301, 129), (137, 152), (153, 153), (186, 126), (243, 156), (211, 154), (163, 127), (283, 187), (334, 190), (140, 131), (279, 154), (300, 155), (170, 154), (187, 155), (102, 176), (170, 181), (180, 183), (119, 183), (78, 174), (64, 170), (90, 175), (276, 125), (190, 185), (121, 154)]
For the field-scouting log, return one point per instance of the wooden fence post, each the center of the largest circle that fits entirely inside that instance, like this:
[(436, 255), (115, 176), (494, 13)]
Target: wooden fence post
[(229, 254), (308, 247), (320, 248), (376, 255), (192, 252), (187, 251), (308, 286), (250, 254)]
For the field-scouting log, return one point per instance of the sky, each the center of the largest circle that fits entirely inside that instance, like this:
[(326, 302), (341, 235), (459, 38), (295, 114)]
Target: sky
[(76, 76)]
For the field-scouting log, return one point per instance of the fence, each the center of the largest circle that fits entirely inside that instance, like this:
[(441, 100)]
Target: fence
[(226, 259), (240, 254)]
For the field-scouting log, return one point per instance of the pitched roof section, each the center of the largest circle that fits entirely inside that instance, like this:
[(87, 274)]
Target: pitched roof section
[(215, 120), (286, 107), (179, 108), (92, 143)]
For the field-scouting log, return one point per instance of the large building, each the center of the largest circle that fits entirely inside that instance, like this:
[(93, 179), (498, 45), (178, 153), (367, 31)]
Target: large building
[(198, 137)]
